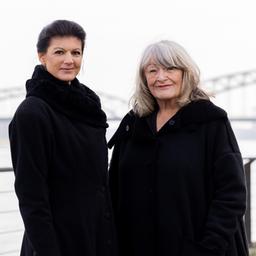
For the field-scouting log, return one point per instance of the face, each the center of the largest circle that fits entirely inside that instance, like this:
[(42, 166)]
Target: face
[(63, 57), (164, 83)]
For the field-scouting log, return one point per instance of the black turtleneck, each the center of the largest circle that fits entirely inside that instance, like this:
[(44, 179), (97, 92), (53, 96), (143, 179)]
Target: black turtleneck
[(74, 100)]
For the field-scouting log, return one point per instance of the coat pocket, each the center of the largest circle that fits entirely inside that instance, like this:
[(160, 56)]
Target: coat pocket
[(191, 248), (241, 240)]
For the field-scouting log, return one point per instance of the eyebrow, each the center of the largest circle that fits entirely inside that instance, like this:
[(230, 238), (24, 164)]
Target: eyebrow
[(55, 48), (148, 65)]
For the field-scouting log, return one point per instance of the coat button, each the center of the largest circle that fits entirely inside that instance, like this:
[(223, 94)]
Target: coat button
[(127, 128), (102, 190), (171, 122), (109, 242), (107, 215)]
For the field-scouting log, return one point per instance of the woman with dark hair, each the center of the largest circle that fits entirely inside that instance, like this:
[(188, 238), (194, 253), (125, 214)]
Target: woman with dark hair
[(176, 174), (59, 154)]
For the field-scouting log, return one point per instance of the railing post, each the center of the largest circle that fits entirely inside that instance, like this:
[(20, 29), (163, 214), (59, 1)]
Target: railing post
[(247, 168), (6, 169)]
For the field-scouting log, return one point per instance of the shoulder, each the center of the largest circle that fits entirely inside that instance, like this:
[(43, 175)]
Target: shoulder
[(207, 114), (202, 111), (31, 110), (214, 119), (124, 129), (31, 104)]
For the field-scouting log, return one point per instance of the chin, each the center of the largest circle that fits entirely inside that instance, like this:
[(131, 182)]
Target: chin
[(66, 78), (166, 97)]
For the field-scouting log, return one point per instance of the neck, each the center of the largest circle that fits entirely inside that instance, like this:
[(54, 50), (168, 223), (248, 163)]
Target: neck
[(167, 106), (166, 111)]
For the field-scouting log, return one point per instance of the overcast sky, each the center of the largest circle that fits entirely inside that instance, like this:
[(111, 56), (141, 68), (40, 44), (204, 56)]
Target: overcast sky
[(218, 34)]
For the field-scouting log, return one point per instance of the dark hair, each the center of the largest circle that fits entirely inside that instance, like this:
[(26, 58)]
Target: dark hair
[(59, 28)]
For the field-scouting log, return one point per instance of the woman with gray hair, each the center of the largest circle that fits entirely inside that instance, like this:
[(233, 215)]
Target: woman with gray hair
[(176, 173)]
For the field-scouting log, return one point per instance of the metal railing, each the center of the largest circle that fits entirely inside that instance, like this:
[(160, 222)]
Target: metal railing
[(7, 169), (8, 232), (248, 219), (247, 166)]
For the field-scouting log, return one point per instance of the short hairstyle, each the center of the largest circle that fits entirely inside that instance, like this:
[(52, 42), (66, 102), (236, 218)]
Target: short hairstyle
[(168, 54), (59, 28)]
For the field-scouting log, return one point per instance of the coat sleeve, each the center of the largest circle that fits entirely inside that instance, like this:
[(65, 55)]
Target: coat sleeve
[(113, 178), (31, 143), (122, 133), (228, 203)]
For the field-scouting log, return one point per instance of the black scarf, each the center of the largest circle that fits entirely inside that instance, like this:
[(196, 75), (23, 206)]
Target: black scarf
[(74, 100)]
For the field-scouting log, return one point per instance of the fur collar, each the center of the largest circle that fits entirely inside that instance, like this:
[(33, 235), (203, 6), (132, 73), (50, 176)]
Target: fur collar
[(188, 117), (76, 101)]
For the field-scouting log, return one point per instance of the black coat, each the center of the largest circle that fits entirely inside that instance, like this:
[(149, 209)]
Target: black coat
[(59, 155), (179, 191)]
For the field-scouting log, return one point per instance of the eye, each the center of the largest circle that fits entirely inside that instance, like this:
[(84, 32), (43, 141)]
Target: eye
[(153, 70), (77, 53), (59, 52), (171, 68)]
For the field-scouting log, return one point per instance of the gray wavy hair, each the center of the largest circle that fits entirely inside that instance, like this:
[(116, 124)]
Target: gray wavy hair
[(166, 53)]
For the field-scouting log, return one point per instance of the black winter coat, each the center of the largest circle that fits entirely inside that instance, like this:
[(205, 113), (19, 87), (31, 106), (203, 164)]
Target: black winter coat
[(179, 191), (59, 155)]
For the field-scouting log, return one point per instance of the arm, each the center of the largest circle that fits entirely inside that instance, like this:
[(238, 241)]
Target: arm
[(228, 202), (30, 141), (120, 135)]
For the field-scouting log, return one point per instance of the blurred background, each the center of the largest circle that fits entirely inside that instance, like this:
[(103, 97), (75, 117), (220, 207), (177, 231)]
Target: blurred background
[(217, 34)]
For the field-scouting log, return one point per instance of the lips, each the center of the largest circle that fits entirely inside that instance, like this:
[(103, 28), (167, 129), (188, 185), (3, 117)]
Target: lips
[(67, 70), (164, 85)]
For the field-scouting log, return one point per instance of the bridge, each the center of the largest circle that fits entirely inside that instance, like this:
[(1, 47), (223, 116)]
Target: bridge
[(230, 82), (111, 104), (116, 106)]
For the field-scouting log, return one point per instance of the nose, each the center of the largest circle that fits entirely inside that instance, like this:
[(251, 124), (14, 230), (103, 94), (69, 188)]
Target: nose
[(161, 75), (68, 58)]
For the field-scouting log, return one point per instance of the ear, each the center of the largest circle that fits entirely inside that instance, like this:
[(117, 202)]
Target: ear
[(41, 57)]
